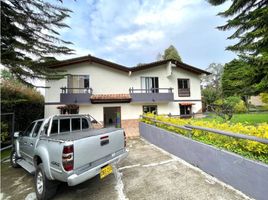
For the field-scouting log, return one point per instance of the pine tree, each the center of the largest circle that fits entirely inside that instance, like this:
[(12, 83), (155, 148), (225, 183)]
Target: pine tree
[(171, 53), (30, 38), (249, 18)]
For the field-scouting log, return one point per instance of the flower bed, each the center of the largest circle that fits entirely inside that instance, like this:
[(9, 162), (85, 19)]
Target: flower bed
[(246, 148)]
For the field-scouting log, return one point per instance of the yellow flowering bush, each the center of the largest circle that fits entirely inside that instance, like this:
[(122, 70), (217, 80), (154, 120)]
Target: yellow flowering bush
[(247, 148)]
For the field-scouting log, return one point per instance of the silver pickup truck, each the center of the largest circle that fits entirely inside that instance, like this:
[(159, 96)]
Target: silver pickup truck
[(66, 148)]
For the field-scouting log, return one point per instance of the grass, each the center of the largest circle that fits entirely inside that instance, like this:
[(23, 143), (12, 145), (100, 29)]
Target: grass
[(5, 153), (248, 118)]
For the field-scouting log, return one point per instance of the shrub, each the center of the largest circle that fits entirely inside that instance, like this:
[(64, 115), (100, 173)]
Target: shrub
[(240, 107), (247, 148), (4, 132)]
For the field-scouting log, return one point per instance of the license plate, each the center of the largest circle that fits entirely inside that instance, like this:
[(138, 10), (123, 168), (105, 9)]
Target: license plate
[(105, 171)]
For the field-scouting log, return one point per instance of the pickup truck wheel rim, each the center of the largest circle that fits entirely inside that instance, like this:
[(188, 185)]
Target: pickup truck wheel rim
[(14, 158), (39, 183)]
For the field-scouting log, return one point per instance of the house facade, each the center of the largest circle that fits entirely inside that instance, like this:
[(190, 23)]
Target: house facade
[(117, 95)]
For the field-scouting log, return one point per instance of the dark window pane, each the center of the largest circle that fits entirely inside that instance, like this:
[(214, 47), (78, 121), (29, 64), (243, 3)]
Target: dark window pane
[(54, 128), (84, 124), (151, 109), (64, 125), (28, 131), (86, 81), (37, 128), (76, 124)]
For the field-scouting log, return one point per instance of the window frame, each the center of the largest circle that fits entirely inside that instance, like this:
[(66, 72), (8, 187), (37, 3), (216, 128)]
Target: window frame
[(70, 83), (184, 91), (150, 109), (145, 84)]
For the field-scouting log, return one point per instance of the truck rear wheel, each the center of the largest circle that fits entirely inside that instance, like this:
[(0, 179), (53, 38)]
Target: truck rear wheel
[(13, 159), (44, 188)]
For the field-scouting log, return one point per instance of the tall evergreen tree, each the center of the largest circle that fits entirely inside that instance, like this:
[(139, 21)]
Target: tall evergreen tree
[(237, 78), (171, 53), (30, 38), (249, 18)]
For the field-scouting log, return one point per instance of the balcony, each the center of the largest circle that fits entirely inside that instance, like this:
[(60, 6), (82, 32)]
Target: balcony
[(184, 92), (75, 95), (151, 95)]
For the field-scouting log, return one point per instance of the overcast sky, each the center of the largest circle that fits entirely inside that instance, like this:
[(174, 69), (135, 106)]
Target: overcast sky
[(129, 32)]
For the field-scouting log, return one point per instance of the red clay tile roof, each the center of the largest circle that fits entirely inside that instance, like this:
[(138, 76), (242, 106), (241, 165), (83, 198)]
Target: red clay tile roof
[(107, 98)]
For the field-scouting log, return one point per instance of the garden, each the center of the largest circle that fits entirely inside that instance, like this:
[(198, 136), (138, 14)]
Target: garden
[(248, 124)]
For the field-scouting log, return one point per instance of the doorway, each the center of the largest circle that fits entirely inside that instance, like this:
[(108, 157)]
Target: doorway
[(112, 117)]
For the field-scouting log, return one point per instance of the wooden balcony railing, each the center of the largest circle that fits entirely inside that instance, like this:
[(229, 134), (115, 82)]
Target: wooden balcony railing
[(184, 92)]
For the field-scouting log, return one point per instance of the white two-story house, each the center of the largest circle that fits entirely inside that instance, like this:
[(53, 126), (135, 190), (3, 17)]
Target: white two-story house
[(117, 95)]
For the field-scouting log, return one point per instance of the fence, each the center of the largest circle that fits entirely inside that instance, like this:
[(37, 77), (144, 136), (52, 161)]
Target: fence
[(219, 132)]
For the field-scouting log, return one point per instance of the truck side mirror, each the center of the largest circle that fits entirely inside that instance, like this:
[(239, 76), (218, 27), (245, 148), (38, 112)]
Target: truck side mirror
[(93, 121), (17, 134)]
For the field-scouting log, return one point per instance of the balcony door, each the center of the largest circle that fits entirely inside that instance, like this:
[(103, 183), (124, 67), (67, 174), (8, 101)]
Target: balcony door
[(78, 83), (149, 84)]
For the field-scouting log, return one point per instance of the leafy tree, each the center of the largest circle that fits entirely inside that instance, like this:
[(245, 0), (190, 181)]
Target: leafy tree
[(238, 79), (264, 97), (209, 96), (214, 79), (171, 53), (249, 18), (225, 108), (29, 38)]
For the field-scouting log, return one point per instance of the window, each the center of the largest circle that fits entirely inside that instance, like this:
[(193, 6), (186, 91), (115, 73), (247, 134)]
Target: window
[(37, 128), (150, 108), (149, 84), (78, 83), (28, 130), (54, 127), (85, 124), (183, 87), (185, 110), (76, 126), (64, 125)]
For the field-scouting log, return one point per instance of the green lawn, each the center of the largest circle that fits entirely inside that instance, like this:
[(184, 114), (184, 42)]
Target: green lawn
[(249, 118), (5, 153)]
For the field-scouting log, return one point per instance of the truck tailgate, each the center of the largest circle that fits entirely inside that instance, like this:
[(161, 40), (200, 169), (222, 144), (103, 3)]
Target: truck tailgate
[(90, 149)]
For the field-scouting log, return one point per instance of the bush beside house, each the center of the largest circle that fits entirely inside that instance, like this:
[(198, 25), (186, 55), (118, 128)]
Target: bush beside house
[(26, 103)]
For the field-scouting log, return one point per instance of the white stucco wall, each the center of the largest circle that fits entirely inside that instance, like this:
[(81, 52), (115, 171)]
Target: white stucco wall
[(105, 80)]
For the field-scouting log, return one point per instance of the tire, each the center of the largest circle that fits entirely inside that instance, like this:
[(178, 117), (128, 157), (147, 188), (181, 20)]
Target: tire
[(44, 188), (13, 159)]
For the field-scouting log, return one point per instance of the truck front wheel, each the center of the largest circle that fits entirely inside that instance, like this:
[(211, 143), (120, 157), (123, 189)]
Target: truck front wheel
[(13, 159), (44, 188)]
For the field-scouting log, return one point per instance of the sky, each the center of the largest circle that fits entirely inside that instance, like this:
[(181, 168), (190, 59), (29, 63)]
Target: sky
[(129, 32)]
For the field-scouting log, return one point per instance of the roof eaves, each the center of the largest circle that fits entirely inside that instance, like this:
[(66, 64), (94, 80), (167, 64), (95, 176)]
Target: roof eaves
[(89, 58)]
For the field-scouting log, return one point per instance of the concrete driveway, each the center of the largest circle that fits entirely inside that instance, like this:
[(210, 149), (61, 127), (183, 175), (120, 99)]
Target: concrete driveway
[(147, 173)]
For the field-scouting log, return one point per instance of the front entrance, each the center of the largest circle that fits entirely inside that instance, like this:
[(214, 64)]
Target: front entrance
[(185, 111), (112, 117)]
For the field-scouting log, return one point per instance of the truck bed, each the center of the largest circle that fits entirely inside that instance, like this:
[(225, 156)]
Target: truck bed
[(76, 135)]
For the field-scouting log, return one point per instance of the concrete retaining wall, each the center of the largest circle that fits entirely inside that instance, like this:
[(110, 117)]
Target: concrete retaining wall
[(248, 176)]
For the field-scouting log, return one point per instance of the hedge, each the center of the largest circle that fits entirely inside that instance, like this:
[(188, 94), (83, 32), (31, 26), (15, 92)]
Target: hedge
[(246, 148)]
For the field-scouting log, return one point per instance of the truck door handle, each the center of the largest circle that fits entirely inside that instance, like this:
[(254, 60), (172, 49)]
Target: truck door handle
[(31, 144), (25, 142), (104, 142)]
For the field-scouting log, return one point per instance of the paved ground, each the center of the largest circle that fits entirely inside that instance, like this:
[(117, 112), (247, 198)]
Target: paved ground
[(147, 173)]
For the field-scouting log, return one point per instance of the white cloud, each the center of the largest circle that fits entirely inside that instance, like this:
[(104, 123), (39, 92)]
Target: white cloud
[(139, 36), (130, 32)]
